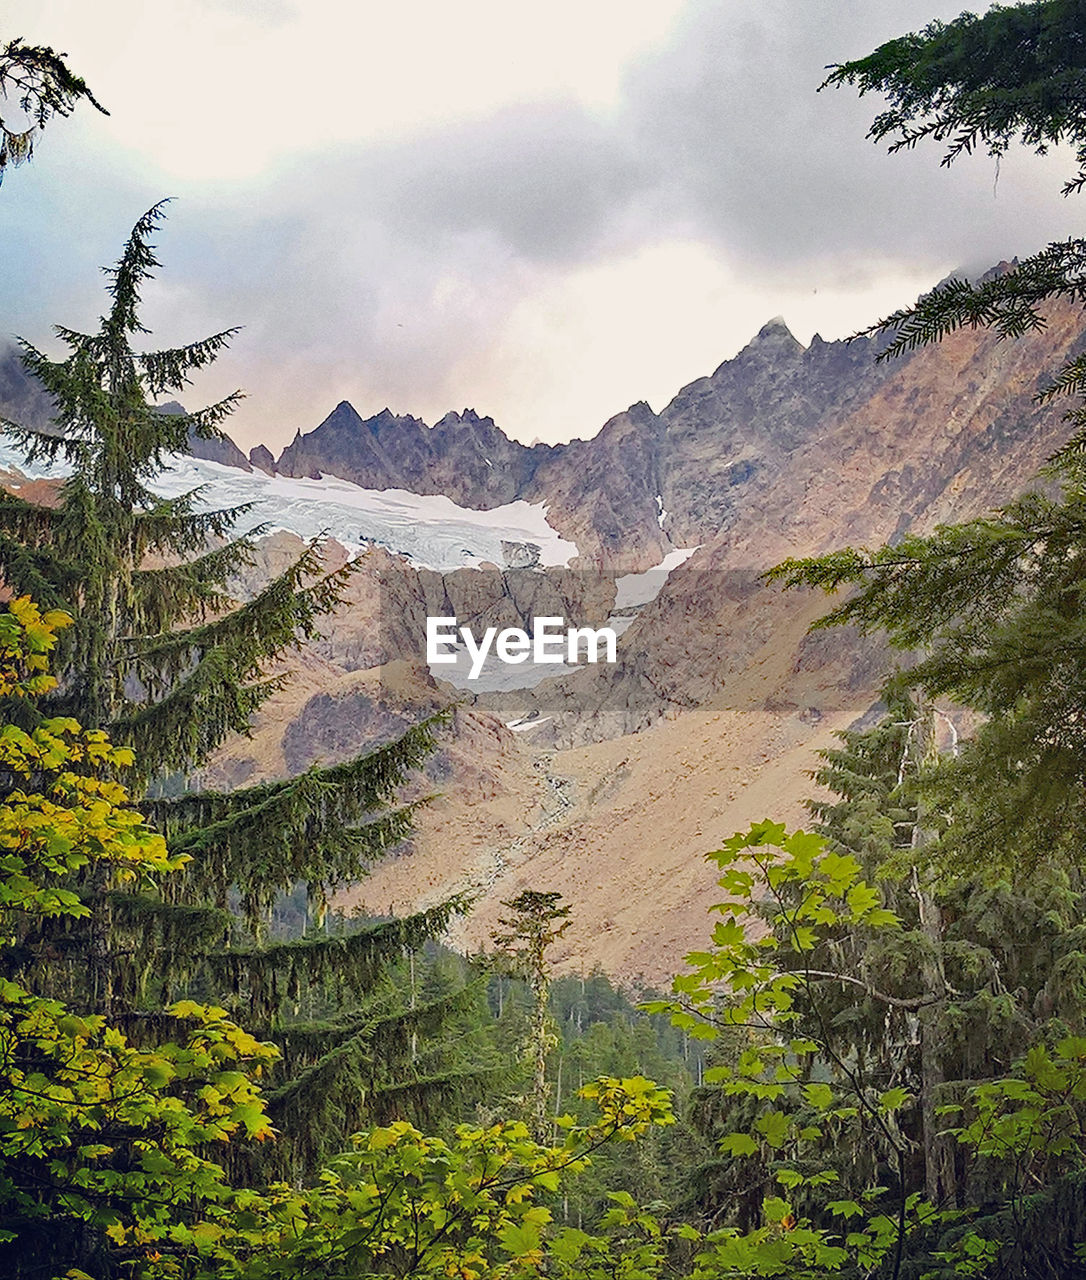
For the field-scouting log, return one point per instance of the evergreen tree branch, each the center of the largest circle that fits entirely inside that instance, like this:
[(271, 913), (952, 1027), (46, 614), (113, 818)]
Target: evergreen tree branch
[(41, 85), (262, 859), (167, 371), (1009, 302), (136, 264), (195, 586), (170, 525), (352, 788), (389, 1033), (198, 713), (267, 975), (1017, 72), (277, 618)]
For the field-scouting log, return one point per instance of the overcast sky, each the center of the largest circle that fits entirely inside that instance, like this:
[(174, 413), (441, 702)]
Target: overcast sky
[(544, 212)]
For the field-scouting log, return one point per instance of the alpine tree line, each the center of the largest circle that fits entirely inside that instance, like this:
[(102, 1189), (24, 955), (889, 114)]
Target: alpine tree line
[(875, 1067)]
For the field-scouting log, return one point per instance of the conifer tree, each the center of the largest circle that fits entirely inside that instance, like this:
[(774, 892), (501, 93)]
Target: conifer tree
[(537, 921), (995, 609), (997, 605), (980, 967), (168, 664), (998, 961)]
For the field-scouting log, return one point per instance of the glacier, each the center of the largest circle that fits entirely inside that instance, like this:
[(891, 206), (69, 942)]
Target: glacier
[(430, 530)]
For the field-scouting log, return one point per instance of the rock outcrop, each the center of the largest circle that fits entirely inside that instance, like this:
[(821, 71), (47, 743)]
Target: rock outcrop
[(782, 446), (221, 449), (22, 399), (465, 457), (262, 458)]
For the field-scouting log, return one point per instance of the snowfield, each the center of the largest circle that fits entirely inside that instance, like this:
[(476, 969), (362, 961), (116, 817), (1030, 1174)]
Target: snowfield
[(632, 589), (432, 531)]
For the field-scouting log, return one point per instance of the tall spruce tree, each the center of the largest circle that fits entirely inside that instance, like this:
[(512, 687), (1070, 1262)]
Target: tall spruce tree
[(995, 608), (537, 921), (164, 659), (997, 604)]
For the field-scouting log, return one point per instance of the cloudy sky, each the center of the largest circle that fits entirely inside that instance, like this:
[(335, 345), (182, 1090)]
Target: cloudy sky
[(544, 212)]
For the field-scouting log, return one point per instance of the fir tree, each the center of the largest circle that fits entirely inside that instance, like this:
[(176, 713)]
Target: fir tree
[(980, 968), (163, 659), (537, 921), (992, 958)]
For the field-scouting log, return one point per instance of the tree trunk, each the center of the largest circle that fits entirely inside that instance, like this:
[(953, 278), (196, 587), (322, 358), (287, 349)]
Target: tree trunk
[(939, 1168), (940, 1177)]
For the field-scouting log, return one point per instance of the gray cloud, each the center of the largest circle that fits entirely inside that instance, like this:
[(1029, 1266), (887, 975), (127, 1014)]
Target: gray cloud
[(544, 180), (784, 178), (377, 272), (723, 135)]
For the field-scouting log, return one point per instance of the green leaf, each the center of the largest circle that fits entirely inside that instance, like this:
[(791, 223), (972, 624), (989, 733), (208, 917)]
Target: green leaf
[(774, 1125), (818, 1095), (739, 1144), (893, 1099)]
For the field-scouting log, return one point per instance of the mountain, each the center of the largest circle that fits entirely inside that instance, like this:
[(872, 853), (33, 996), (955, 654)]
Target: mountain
[(219, 449), (609, 783), (721, 435), (829, 457), (615, 778), (465, 457), (22, 399)]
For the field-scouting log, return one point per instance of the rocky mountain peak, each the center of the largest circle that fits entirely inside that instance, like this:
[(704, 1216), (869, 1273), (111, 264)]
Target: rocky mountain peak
[(262, 458), (466, 418), (641, 412), (774, 338), (220, 449)]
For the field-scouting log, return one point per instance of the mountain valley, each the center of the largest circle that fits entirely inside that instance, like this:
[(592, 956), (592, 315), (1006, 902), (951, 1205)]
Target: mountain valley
[(608, 783)]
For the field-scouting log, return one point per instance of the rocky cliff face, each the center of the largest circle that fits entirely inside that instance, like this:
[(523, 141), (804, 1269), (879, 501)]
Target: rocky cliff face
[(833, 453), (465, 457), (222, 450), (751, 447), (605, 493), (22, 399), (729, 436)]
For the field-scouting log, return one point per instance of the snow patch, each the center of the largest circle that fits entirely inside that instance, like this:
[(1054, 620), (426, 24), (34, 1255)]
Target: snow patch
[(620, 623), (520, 726), (431, 530), (632, 589), (496, 676)]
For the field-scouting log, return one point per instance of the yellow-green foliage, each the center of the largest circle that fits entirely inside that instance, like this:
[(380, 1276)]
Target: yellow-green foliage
[(100, 1139), (409, 1205)]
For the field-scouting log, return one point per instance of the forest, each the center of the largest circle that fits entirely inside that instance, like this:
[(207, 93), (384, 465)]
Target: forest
[(875, 1066)]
